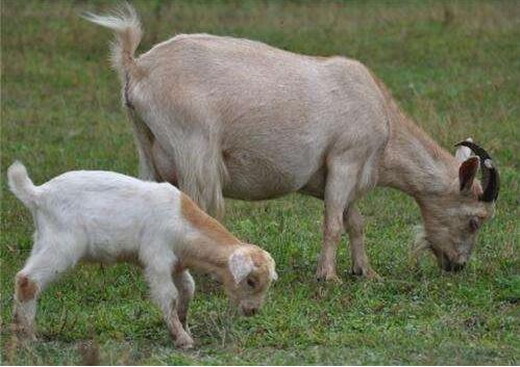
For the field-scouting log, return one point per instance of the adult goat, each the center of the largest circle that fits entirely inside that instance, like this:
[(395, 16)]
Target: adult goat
[(221, 116)]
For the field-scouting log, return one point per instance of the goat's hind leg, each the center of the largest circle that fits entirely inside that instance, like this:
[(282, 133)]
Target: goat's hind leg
[(41, 268), (158, 273), (26, 293), (144, 141)]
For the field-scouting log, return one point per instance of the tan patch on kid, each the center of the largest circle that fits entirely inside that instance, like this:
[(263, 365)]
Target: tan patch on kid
[(25, 289), (204, 223)]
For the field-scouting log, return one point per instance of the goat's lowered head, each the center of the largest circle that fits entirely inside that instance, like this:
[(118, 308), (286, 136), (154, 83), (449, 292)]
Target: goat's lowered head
[(452, 219), (251, 272)]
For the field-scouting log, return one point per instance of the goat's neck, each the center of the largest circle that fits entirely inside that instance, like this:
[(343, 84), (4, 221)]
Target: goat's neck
[(412, 162), (209, 246), (207, 255)]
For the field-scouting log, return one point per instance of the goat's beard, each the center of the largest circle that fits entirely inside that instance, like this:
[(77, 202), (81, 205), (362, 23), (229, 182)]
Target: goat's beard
[(420, 244)]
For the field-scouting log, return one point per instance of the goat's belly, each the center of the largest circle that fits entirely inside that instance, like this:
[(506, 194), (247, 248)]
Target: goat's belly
[(253, 176), (164, 164)]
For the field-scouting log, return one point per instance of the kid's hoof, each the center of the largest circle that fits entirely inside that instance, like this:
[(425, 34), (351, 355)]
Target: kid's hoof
[(23, 333), (184, 342)]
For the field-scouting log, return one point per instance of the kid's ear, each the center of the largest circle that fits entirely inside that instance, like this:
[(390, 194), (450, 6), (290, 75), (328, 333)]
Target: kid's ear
[(240, 265)]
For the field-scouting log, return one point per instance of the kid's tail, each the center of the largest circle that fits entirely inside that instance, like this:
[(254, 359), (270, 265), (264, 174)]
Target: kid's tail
[(21, 185)]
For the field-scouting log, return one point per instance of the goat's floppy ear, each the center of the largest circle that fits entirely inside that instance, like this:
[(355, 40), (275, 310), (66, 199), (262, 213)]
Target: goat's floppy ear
[(272, 266), (463, 153), (240, 265), (467, 172)]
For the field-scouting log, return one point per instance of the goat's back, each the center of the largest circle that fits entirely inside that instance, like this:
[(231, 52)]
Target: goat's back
[(107, 207), (269, 116), (235, 72)]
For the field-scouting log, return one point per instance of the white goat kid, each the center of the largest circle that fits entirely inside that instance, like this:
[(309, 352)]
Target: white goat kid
[(108, 217), (224, 116)]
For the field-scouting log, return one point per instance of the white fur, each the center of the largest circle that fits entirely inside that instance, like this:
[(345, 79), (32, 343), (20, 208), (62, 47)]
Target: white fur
[(420, 243), (107, 217), (101, 216), (240, 265), (20, 184)]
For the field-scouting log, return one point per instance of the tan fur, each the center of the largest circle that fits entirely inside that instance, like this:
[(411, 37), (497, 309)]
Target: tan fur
[(446, 225), (210, 250), (212, 257), (250, 299), (206, 224), (263, 272), (25, 295), (26, 289), (243, 119)]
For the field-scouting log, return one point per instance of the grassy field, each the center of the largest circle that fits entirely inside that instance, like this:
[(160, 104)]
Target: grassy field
[(453, 66)]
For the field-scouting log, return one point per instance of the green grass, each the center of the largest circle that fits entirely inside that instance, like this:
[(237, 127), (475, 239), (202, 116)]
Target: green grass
[(454, 67)]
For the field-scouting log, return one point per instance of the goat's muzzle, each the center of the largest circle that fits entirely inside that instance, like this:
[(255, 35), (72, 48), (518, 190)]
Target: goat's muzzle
[(452, 266), (246, 311)]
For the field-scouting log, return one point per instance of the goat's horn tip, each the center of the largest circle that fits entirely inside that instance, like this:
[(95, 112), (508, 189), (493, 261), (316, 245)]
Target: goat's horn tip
[(489, 164)]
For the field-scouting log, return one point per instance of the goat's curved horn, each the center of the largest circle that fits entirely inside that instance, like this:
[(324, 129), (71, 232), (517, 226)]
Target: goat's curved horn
[(490, 177)]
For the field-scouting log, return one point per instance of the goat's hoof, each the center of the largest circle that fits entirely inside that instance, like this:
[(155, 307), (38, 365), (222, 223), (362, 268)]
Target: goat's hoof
[(26, 337), (23, 333), (366, 273), (184, 342), (328, 277)]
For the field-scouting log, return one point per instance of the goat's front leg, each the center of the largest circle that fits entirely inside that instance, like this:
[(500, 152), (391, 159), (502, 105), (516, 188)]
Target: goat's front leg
[(165, 295), (338, 189), (353, 222), (186, 287)]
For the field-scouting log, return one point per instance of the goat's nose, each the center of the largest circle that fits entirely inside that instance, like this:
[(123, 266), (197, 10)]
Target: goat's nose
[(458, 267), (448, 265)]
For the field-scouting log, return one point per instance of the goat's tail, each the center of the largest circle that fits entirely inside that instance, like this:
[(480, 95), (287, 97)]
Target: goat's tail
[(127, 27), (21, 185)]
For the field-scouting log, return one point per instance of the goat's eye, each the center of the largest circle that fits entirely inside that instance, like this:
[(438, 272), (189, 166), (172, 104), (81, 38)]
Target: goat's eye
[(474, 224), (251, 283)]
